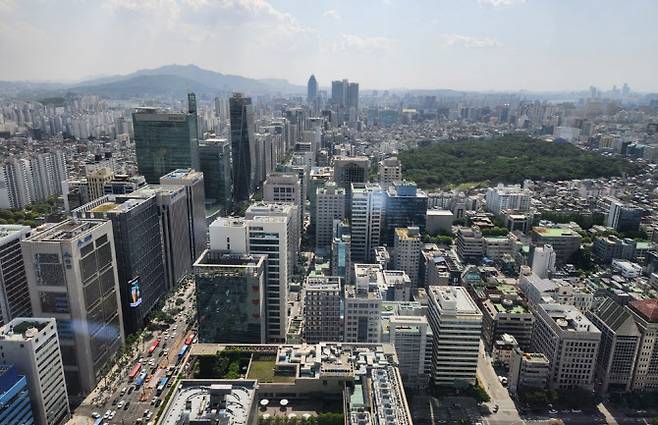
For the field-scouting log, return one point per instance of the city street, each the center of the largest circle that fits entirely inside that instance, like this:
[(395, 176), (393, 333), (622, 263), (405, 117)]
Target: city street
[(130, 403)]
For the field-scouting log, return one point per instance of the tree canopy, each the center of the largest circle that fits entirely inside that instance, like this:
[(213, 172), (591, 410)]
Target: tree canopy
[(507, 159)]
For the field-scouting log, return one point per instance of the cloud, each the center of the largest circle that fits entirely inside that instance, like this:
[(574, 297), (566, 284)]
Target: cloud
[(356, 43), (471, 42), (500, 3), (332, 13)]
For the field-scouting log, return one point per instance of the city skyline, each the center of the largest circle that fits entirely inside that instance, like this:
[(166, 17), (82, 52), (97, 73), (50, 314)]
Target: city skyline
[(475, 45)]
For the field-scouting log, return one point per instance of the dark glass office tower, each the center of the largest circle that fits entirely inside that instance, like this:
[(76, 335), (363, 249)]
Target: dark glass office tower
[(166, 141), (243, 146), (405, 205), (215, 158)]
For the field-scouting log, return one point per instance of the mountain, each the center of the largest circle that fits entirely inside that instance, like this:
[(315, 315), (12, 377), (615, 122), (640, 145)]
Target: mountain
[(168, 80)]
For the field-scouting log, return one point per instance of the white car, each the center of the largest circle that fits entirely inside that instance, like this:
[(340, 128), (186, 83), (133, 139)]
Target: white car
[(95, 415)]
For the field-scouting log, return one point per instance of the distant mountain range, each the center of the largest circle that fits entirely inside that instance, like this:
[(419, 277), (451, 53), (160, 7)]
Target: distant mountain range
[(165, 81)]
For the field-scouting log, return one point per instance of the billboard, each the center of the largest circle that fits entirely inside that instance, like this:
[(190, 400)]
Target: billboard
[(135, 292)]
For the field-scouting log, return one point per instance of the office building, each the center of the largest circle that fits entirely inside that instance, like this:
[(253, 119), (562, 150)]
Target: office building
[(72, 276), (286, 188), (14, 296), (32, 346), (412, 338), (323, 309), (123, 184), (610, 247), (311, 90), (570, 341), (165, 141), (363, 308), (243, 147), (645, 314), (456, 324), (268, 232), (193, 182), (215, 163), (564, 241), (470, 244), (348, 170), (175, 228), (230, 294), (405, 206), (14, 398), (367, 213), (439, 266), (620, 341), (528, 370), (406, 252), (439, 221), (329, 206), (139, 253), (501, 199), (621, 217), (96, 179), (389, 171)]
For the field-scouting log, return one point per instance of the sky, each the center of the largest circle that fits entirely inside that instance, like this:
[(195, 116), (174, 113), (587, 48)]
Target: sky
[(538, 45)]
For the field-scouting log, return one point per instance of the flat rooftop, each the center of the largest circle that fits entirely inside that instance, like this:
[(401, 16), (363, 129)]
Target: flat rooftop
[(66, 230), (454, 299), (555, 232)]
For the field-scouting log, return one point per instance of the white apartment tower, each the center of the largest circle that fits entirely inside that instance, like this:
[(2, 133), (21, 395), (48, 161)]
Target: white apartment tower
[(33, 347), (507, 198), (456, 323), (330, 206), (72, 276)]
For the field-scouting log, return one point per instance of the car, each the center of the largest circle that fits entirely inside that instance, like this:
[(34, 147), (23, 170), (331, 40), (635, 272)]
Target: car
[(158, 402), (130, 389), (553, 412), (106, 415), (153, 400), (495, 408), (115, 401), (123, 390), (121, 404), (576, 411), (95, 415), (125, 406), (149, 416), (146, 412), (112, 413)]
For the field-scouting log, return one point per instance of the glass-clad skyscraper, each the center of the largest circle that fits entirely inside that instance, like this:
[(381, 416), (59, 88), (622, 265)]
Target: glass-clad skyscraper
[(243, 146), (14, 398), (215, 158), (165, 141)]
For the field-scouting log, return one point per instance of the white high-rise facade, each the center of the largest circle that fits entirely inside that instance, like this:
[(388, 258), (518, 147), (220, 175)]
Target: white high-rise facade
[(330, 206), (33, 347), (504, 198), (412, 338), (406, 254), (543, 261), (456, 325), (367, 214)]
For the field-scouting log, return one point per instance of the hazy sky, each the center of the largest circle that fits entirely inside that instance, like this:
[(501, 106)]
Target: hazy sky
[(459, 44)]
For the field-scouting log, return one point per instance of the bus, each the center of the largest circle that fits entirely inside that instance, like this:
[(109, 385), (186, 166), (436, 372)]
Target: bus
[(134, 371), (182, 352), (189, 339), (140, 379), (154, 346), (161, 385)]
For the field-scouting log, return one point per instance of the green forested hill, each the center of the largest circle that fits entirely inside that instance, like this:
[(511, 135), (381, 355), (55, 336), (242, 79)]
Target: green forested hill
[(505, 160)]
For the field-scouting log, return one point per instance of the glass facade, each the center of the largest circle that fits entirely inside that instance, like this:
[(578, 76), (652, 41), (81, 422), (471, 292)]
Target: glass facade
[(165, 142), (404, 206), (215, 161), (15, 405)]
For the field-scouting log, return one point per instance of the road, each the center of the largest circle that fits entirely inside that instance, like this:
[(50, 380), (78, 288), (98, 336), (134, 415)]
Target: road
[(164, 356)]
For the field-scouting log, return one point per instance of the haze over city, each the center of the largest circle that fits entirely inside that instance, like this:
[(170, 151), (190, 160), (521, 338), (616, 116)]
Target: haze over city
[(384, 44)]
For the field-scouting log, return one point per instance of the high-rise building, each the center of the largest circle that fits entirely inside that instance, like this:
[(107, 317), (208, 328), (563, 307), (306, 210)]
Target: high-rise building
[(363, 309), (570, 341), (456, 323), (405, 205), (175, 228), (645, 313), (329, 206), (412, 338), (268, 233), (243, 146), (165, 141), (14, 397), (341, 251), (32, 178), (367, 213), (348, 170), (193, 182), (285, 187), (215, 162), (390, 170), (14, 296), (620, 341), (139, 252), (32, 346), (96, 179), (72, 276), (323, 309), (470, 244), (311, 89), (406, 254), (230, 293), (564, 241)]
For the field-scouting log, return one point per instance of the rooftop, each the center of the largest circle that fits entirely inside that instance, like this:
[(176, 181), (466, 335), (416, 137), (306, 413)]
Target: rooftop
[(648, 309), (66, 230), (555, 232)]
